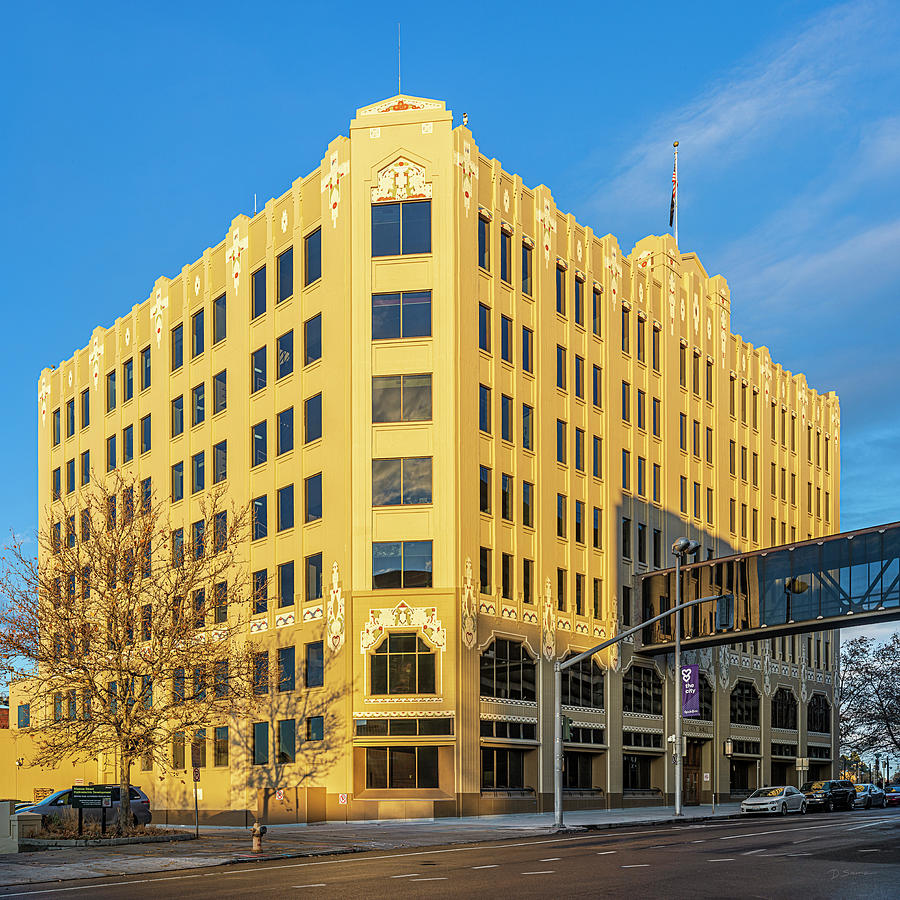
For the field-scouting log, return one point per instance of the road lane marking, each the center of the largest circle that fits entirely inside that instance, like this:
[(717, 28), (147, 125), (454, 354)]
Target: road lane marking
[(726, 859), (492, 866), (605, 852), (636, 866), (542, 872), (320, 884), (408, 875), (699, 842), (734, 837), (874, 850), (436, 878), (550, 859)]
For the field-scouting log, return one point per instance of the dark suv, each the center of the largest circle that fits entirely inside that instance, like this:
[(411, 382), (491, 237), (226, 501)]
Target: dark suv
[(829, 795)]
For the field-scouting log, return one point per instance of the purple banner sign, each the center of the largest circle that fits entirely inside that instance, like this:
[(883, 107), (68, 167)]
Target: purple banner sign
[(690, 690)]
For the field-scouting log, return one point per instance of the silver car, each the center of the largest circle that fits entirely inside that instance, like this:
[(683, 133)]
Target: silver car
[(777, 800), (869, 795), (59, 805)]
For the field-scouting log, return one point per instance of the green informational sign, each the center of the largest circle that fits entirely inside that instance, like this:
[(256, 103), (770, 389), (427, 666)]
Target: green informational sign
[(91, 796)]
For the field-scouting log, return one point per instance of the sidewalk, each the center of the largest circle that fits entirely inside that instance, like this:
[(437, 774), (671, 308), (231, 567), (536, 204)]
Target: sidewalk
[(220, 845)]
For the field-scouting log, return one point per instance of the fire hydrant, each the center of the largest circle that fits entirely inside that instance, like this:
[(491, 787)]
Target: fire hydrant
[(257, 831)]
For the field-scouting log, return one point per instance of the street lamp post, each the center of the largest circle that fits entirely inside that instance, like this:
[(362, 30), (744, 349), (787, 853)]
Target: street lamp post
[(681, 548)]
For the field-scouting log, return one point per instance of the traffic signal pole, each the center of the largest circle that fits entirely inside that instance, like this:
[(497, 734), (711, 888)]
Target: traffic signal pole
[(559, 666)]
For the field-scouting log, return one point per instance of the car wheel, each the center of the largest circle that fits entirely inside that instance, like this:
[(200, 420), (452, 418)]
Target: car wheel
[(868, 804), (784, 809), (829, 806), (803, 808)]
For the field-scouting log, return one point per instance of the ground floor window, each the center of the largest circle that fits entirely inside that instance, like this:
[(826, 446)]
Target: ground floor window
[(502, 768), (636, 772), (578, 771), (401, 767), (740, 774)]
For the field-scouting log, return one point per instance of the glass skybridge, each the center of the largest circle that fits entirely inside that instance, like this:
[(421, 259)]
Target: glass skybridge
[(826, 583)]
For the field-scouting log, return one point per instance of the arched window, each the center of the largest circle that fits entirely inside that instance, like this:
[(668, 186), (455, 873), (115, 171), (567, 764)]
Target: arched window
[(402, 664), (744, 704), (582, 684), (818, 714), (784, 709), (642, 691), (706, 699), (507, 671)]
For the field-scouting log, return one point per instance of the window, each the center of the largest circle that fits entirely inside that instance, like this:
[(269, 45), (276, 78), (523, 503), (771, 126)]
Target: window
[(484, 243), (657, 473), (626, 470), (695, 439), (261, 672), (484, 409), (560, 441), (258, 293), (506, 339), (579, 521), (597, 454), (401, 767), (85, 467), (315, 728), (260, 581), (177, 416), (507, 671), (527, 349), (597, 529), (70, 476), (401, 481), (286, 584), (313, 567), (583, 685), (579, 450), (312, 493), (561, 290), (198, 472), (260, 744), (641, 352), (527, 579), (285, 500), (405, 315), (561, 367), (220, 392), (505, 254), (597, 387), (197, 334), (220, 745), (561, 590), (220, 321), (506, 497), (506, 575), (401, 228), (579, 378), (285, 354), (85, 408), (484, 328), (285, 430), (626, 329), (642, 691), (506, 418), (484, 487), (127, 384), (784, 709), (401, 398), (284, 265), (110, 459), (579, 300), (24, 715), (198, 404), (709, 381), (561, 515), (401, 564), (818, 715), (286, 669), (128, 443), (177, 482), (526, 270), (110, 401), (315, 665), (695, 375), (220, 462), (257, 370), (527, 427), (220, 615), (402, 664), (312, 259), (528, 504), (258, 443), (744, 704), (312, 419), (312, 340)]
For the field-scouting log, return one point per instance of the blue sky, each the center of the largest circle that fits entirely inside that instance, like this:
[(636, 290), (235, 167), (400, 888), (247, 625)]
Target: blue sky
[(134, 133)]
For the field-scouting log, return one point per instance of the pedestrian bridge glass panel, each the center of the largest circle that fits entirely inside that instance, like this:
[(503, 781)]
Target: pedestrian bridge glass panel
[(833, 582)]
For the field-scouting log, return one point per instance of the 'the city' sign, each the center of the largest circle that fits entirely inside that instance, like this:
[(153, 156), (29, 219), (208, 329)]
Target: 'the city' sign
[(690, 690)]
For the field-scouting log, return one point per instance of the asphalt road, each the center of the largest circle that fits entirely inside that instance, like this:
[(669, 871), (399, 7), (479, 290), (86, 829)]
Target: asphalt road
[(846, 855)]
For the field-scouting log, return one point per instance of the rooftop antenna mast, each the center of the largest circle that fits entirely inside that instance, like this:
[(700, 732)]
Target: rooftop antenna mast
[(399, 89)]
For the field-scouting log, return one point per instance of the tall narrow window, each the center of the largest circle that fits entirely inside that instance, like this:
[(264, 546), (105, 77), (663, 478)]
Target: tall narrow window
[(505, 254), (312, 340), (484, 243), (312, 419), (258, 293), (197, 334), (220, 321), (526, 270), (560, 290), (312, 257), (285, 270), (177, 351), (527, 350)]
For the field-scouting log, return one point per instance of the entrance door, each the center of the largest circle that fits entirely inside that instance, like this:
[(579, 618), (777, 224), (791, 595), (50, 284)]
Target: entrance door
[(692, 761)]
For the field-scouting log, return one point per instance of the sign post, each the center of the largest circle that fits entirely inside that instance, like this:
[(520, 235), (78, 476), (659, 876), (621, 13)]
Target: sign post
[(195, 762), (802, 768), (91, 796)]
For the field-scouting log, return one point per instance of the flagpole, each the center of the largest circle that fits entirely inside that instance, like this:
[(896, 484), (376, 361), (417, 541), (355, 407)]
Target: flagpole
[(675, 145)]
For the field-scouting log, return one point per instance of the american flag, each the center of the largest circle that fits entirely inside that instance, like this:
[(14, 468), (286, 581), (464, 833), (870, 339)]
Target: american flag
[(674, 195)]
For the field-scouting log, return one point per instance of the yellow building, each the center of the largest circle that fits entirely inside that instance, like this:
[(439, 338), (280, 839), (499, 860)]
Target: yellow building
[(472, 422)]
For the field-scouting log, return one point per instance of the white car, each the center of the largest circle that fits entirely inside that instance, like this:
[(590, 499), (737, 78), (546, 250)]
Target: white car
[(778, 800)]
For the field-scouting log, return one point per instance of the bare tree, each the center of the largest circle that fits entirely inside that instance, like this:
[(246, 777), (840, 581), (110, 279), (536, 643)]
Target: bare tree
[(869, 695), (129, 633)]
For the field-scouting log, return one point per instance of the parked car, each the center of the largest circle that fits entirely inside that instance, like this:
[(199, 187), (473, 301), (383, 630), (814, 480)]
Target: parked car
[(869, 795), (778, 800), (892, 795), (829, 795), (59, 804)]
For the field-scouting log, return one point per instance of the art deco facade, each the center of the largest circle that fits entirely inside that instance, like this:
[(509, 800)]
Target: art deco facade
[(469, 422)]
